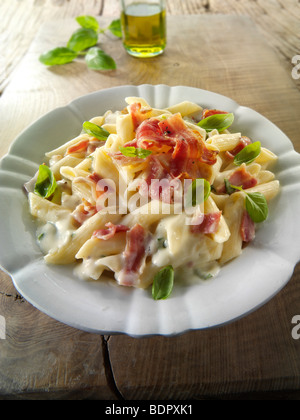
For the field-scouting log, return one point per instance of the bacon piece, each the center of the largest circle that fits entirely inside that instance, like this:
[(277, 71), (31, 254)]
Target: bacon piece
[(151, 136), (189, 143), (245, 141), (209, 223), (173, 136), (247, 228), (155, 170), (79, 147), (242, 178), (110, 232), (95, 177), (185, 147), (209, 112), (93, 145), (159, 184), (83, 212), (138, 114), (85, 146), (173, 133), (134, 256), (178, 152)]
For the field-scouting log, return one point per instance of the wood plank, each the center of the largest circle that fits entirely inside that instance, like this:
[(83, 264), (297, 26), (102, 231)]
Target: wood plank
[(21, 20), (41, 358)]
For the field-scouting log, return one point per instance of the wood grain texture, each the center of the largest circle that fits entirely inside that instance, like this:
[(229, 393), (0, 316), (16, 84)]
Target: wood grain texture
[(42, 358), (21, 20), (278, 20)]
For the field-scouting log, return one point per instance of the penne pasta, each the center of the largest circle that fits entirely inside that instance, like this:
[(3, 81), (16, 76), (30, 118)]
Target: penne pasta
[(154, 191), (185, 108)]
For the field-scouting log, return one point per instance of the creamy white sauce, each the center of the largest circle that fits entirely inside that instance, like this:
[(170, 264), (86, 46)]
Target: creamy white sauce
[(54, 235), (177, 247)]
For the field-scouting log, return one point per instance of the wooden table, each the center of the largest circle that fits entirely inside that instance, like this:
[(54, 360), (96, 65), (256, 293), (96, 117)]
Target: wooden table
[(255, 357)]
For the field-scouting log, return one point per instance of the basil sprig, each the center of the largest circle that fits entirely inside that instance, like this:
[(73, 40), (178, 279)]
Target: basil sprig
[(163, 283), (218, 122), (83, 43), (95, 131), (46, 183), (248, 154), (135, 152), (256, 203), (198, 192)]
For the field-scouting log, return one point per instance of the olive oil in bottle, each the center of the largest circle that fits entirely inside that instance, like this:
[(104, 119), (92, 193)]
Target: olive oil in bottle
[(144, 28)]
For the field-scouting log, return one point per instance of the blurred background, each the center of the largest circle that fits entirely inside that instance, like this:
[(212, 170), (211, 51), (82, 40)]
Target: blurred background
[(20, 21)]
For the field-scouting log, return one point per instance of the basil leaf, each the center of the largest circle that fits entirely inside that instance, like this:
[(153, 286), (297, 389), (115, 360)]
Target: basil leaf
[(257, 207), (248, 154), (143, 153), (96, 59), (95, 131), (115, 28), (46, 184), (58, 56), (230, 189), (163, 283), (198, 192), (88, 22), (82, 39), (256, 203), (135, 152), (219, 122)]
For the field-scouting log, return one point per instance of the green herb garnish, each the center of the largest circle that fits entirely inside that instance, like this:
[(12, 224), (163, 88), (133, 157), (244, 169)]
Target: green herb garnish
[(95, 130), (257, 207), (58, 56), (115, 28), (46, 183), (163, 283), (82, 39), (218, 122), (83, 43), (256, 203), (248, 154), (135, 152), (97, 59), (88, 22)]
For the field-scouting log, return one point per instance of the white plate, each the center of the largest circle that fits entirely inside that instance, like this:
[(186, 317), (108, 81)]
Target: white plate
[(242, 286)]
